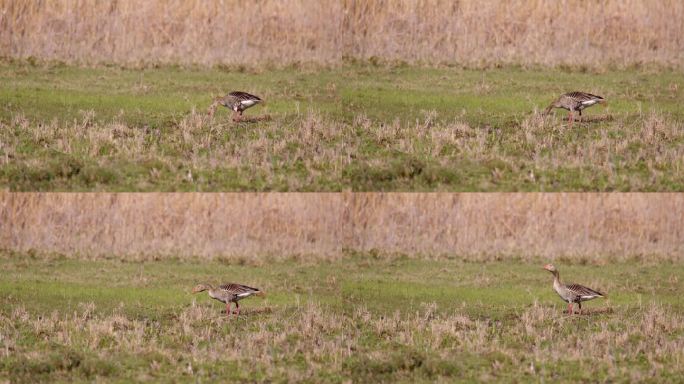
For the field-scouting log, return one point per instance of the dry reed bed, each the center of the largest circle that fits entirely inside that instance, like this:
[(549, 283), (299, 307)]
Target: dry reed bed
[(254, 227), (571, 32), (309, 340)]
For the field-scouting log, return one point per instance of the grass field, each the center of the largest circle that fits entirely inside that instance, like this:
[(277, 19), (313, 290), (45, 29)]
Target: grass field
[(359, 127), (361, 318)]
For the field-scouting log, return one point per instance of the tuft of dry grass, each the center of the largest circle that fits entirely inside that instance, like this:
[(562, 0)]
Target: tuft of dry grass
[(570, 32), (257, 226)]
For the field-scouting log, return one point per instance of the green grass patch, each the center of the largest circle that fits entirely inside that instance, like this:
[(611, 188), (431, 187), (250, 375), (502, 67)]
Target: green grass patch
[(358, 318), (356, 127)]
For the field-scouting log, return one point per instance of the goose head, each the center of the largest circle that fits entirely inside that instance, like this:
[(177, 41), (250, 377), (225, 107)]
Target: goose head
[(201, 288)]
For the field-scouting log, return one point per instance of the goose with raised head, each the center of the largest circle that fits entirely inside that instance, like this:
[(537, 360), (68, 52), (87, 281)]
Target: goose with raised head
[(571, 293)]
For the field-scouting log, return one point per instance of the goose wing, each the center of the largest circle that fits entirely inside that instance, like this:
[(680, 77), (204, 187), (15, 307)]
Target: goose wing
[(239, 290), (244, 96), (584, 98), (584, 292)]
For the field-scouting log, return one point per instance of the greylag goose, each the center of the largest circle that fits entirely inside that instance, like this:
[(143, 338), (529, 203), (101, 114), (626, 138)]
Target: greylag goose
[(236, 101), (571, 293), (574, 101), (229, 293)]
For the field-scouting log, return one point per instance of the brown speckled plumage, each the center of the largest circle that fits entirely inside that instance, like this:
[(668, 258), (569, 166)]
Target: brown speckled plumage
[(228, 293), (236, 101), (574, 101), (571, 293)]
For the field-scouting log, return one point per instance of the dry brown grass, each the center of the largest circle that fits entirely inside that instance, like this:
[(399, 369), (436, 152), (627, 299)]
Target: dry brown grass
[(571, 32), (308, 341), (255, 226), (314, 152)]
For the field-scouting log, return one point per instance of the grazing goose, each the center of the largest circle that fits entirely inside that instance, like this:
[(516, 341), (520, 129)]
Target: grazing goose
[(236, 101), (229, 293), (574, 101), (571, 293)]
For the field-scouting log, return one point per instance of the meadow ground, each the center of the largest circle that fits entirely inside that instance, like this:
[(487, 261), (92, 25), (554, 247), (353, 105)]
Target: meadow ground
[(357, 126), (361, 318)]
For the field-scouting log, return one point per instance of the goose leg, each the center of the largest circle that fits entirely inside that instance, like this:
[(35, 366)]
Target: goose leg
[(570, 308), (228, 309), (580, 307), (238, 309)]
